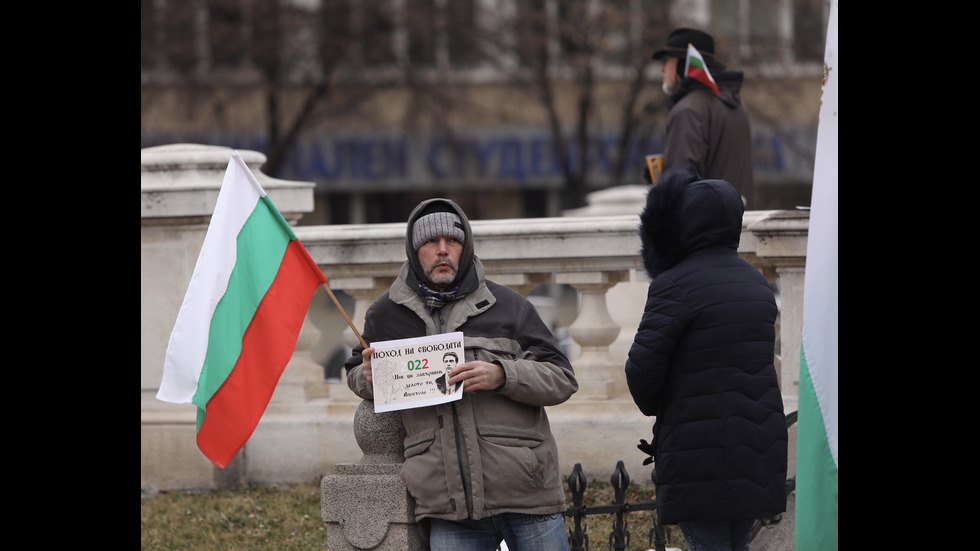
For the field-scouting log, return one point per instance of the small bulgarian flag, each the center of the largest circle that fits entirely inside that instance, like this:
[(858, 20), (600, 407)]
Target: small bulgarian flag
[(697, 69), (241, 316)]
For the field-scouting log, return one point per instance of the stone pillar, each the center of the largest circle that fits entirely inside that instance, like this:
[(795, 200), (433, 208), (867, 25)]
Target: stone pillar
[(302, 380), (366, 504), (781, 240), (599, 375), (790, 333), (364, 290)]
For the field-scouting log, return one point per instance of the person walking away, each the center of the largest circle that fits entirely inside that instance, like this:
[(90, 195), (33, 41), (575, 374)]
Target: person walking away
[(707, 130), (701, 362)]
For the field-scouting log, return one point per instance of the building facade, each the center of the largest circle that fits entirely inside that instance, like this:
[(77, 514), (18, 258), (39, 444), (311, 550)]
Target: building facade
[(512, 108)]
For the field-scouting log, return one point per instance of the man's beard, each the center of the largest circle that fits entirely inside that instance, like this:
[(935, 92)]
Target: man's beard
[(442, 280), (667, 88)]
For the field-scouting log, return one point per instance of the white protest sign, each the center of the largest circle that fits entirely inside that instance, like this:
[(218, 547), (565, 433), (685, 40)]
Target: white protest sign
[(411, 373)]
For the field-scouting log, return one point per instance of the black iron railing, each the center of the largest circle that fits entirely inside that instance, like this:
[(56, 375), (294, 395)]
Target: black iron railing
[(619, 538)]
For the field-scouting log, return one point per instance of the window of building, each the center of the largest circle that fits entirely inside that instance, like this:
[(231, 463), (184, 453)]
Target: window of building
[(194, 37), (227, 37), (463, 34), (421, 25), (376, 39), (770, 32)]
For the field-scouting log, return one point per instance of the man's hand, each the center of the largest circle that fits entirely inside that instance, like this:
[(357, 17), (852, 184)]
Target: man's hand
[(478, 375), (366, 364)]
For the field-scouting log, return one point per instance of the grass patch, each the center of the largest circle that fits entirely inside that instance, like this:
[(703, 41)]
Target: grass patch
[(287, 518), (258, 517)]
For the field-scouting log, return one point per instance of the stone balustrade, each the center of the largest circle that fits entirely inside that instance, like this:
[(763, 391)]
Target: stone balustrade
[(307, 432)]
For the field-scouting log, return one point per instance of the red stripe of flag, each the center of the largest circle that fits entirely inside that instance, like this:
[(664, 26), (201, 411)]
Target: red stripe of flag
[(697, 69), (267, 345)]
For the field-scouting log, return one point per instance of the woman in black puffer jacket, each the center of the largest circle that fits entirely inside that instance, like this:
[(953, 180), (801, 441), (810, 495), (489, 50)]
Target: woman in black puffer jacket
[(702, 363)]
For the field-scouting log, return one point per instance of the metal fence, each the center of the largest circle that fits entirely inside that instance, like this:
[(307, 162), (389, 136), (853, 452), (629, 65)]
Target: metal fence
[(619, 538)]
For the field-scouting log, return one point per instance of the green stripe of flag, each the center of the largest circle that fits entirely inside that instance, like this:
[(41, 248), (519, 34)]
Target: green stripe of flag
[(817, 475), (261, 245)]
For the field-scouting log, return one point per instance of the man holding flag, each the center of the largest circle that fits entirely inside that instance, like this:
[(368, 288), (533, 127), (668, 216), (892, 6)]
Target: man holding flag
[(708, 125)]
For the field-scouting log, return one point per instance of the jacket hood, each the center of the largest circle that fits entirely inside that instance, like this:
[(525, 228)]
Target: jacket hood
[(466, 274), (685, 214)]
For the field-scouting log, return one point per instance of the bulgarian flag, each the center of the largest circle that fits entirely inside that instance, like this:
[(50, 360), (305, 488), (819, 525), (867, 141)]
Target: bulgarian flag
[(238, 325), (696, 68), (817, 428)]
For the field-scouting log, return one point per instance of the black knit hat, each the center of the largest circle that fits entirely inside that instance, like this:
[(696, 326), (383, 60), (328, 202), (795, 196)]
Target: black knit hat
[(678, 40)]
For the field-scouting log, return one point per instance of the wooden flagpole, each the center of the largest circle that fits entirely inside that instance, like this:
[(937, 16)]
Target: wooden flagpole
[(344, 313)]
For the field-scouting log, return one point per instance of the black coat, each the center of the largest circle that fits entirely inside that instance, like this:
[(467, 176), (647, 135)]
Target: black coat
[(702, 359), (712, 133)]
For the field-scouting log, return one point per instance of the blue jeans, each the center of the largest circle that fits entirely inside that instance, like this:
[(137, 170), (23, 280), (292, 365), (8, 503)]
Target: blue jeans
[(521, 532), (717, 536)]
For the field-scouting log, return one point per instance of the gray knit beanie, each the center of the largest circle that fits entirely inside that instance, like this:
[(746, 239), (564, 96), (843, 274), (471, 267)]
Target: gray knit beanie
[(435, 225)]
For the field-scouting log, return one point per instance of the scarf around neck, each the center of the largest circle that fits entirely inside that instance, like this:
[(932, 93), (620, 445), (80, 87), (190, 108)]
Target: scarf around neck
[(434, 299)]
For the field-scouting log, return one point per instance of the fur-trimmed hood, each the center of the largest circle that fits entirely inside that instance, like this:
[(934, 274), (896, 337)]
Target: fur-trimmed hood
[(684, 214)]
